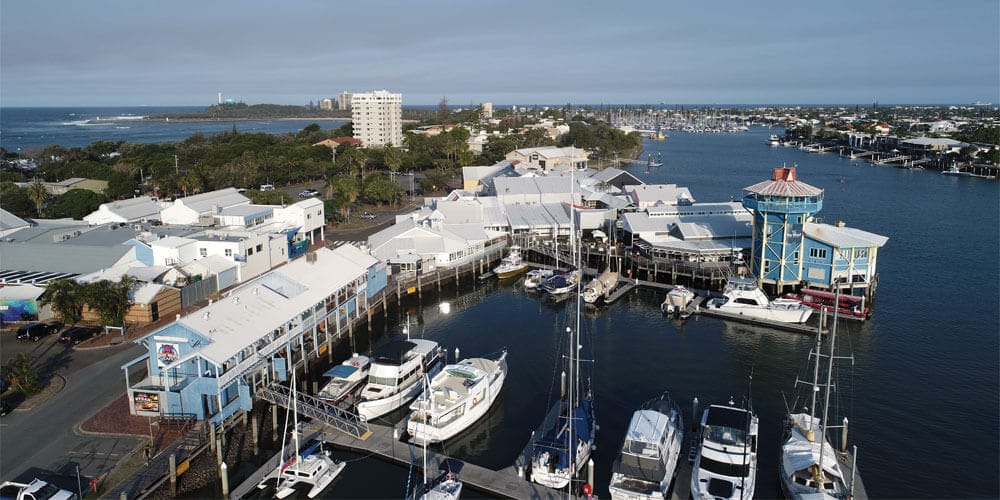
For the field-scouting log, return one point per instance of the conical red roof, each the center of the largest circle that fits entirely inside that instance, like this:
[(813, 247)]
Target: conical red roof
[(784, 183)]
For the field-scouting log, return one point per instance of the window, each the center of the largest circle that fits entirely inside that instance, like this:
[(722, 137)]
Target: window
[(203, 252), (260, 247), (229, 252), (818, 253)]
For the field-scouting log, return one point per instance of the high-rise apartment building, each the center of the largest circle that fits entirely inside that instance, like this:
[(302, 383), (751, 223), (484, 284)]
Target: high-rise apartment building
[(344, 101), (326, 104), (378, 118)]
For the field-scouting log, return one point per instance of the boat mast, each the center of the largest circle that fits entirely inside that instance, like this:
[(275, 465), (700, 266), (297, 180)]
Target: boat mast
[(571, 408), (295, 415), (826, 402), (810, 433)]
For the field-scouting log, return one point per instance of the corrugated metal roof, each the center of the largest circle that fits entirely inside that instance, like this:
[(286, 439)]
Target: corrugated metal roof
[(843, 237), (784, 183)]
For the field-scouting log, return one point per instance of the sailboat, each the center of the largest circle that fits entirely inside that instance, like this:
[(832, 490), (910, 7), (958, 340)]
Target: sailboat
[(564, 446), (810, 466), (311, 467)]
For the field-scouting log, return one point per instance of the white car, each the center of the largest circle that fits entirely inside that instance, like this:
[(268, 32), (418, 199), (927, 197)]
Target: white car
[(308, 192)]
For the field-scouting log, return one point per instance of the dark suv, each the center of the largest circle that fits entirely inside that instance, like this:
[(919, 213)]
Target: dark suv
[(77, 334), (33, 331)]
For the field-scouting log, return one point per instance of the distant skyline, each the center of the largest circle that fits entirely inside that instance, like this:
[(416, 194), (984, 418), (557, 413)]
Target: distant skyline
[(182, 52)]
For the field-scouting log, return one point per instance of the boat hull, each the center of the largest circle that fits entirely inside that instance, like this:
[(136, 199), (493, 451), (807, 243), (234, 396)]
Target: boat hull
[(510, 272), (375, 408)]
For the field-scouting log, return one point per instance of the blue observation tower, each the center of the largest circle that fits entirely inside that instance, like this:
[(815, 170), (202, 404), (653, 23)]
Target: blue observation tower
[(780, 206)]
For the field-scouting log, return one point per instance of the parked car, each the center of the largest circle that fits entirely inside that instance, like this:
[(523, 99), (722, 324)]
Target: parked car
[(33, 331), (4, 408), (368, 216), (4, 385), (77, 334), (308, 192)]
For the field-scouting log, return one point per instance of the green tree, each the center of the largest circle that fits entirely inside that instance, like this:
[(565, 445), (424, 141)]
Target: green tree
[(110, 300), (15, 199), (393, 158), (75, 203), (38, 195), (67, 298), (382, 190), (443, 113), (21, 374), (342, 190)]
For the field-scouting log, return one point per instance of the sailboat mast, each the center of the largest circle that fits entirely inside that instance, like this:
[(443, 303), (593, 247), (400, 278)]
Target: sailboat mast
[(815, 384), (295, 414), (829, 379)]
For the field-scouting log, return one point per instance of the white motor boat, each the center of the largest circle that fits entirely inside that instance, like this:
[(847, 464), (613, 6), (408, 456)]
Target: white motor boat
[(647, 462), (536, 277), (396, 373), (457, 396), (743, 297), (446, 486), (677, 301), (511, 265), (726, 464), (774, 140), (345, 379), (600, 287)]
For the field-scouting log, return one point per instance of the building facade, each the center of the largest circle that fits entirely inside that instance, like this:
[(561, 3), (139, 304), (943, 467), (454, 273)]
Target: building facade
[(378, 118), (209, 364)]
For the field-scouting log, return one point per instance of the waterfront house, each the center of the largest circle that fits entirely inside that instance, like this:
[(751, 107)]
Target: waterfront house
[(650, 195), (835, 254), (209, 364)]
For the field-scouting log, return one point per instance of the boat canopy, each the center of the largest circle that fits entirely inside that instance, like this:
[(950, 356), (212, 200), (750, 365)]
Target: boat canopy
[(394, 353), (644, 468), (341, 371), (554, 441), (647, 426)]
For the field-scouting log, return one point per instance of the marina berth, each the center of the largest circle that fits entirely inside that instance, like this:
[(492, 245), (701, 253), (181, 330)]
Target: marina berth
[(456, 398), (725, 466), (600, 287), (396, 373), (561, 284), (742, 297), (535, 277), (647, 462)]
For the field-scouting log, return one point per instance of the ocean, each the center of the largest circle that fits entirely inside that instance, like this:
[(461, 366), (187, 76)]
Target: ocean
[(25, 129), (922, 394)]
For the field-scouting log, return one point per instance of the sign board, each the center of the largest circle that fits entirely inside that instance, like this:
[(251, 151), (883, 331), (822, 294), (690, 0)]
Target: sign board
[(166, 353), (183, 466), (146, 402)]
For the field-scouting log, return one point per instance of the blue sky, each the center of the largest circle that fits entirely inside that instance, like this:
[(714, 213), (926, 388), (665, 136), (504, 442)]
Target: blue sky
[(182, 52)]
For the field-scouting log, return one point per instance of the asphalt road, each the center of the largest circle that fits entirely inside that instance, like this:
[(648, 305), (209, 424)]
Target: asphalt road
[(41, 441)]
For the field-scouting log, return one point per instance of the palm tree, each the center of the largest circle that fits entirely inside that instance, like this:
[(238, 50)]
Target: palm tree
[(38, 194), (67, 298), (110, 300), (21, 374)]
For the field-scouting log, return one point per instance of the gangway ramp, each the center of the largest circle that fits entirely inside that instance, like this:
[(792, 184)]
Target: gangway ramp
[(333, 416)]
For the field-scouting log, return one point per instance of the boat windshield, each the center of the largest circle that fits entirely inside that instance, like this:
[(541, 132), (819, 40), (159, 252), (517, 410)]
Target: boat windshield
[(641, 448), (729, 436), (724, 469), (386, 381)]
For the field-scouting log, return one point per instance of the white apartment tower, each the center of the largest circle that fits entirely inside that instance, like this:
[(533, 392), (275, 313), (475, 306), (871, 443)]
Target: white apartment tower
[(344, 101), (378, 118)]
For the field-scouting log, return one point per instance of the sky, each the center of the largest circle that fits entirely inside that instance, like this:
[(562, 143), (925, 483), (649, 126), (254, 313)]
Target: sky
[(182, 52)]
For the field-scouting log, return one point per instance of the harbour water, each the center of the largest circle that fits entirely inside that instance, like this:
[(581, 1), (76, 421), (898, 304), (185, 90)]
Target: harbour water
[(922, 396), (22, 129)]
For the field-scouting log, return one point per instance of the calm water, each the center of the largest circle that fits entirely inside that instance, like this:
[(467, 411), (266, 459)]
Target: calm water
[(24, 128), (922, 396)]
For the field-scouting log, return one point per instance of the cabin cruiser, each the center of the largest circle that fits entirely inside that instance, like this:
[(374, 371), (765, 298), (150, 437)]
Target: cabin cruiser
[(396, 373), (455, 398), (743, 297), (677, 301), (647, 462), (511, 265), (774, 140), (726, 464), (345, 379)]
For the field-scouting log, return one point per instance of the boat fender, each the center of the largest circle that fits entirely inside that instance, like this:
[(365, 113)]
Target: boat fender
[(355, 364), (475, 401)]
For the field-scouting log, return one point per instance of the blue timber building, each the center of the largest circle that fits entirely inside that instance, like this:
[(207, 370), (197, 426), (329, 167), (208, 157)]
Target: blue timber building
[(209, 364), (790, 249)]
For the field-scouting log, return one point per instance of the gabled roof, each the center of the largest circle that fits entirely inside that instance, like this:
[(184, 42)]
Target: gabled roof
[(131, 209), (10, 221), (221, 198)]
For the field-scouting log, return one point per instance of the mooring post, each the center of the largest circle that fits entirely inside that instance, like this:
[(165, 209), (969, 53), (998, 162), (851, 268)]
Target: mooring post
[(211, 436), (172, 461), (274, 421), (254, 432), (224, 475)]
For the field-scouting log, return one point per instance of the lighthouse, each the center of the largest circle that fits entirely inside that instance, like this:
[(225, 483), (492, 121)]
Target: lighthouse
[(780, 207)]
